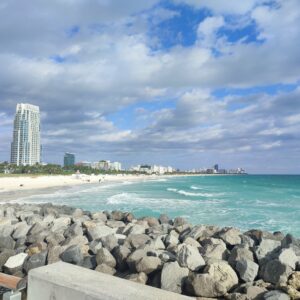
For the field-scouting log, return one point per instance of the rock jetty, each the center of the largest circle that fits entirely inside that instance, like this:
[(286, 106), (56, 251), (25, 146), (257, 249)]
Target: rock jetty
[(171, 254)]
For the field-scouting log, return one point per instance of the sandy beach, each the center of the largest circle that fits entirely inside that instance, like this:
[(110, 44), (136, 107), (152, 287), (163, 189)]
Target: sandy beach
[(32, 184)]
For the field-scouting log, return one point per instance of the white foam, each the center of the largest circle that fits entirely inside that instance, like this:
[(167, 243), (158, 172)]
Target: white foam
[(194, 187), (193, 194)]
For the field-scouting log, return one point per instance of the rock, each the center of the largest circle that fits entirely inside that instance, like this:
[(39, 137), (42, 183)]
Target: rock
[(137, 240), (148, 264), (231, 236), (164, 219), (172, 238), (134, 229), (105, 257), (4, 256), (89, 262), (98, 232), (156, 244), (266, 249), (288, 258), (240, 252), (235, 296), (290, 242), (99, 216), (77, 213), (133, 259), (15, 263), (21, 230), (54, 254), (95, 245), (6, 229), (152, 221), (72, 255), (179, 221), (255, 292), (192, 242), (60, 224), (117, 215), (293, 286), (121, 253), (247, 269), (7, 242), (138, 277), (189, 257), (276, 295), (173, 277), (35, 261), (214, 249), (218, 279), (73, 231), (103, 268), (276, 272), (55, 238), (167, 256), (109, 242)]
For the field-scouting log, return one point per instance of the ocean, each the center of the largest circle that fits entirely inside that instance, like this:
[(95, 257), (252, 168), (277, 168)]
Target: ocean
[(268, 202)]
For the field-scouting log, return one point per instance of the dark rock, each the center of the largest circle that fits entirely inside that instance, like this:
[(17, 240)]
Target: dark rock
[(7, 242), (105, 257), (276, 295), (89, 262), (35, 261), (72, 255), (121, 253)]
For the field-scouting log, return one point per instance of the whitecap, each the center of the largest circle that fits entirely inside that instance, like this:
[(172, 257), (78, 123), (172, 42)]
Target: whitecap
[(194, 187)]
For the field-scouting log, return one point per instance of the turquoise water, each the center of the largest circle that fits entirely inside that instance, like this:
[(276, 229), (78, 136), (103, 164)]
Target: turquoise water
[(269, 202)]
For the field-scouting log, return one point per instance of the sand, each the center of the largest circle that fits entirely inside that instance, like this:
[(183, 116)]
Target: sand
[(26, 183)]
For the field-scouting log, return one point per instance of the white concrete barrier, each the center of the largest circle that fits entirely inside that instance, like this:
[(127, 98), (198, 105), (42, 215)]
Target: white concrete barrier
[(62, 281)]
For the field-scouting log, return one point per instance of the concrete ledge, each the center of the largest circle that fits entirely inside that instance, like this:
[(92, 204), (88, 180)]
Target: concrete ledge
[(62, 281)]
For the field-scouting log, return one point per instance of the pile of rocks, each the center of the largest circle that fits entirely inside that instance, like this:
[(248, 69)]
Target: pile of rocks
[(203, 261)]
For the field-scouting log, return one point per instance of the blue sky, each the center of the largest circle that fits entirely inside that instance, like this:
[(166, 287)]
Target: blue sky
[(186, 83)]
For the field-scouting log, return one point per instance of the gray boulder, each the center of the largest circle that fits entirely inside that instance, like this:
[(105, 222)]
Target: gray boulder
[(189, 257), (4, 256), (214, 249), (121, 253), (89, 262), (276, 295), (137, 277), (239, 252), (103, 268), (21, 230), (231, 236), (99, 231), (60, 224), (105, 257), (288, 258), (247, 269), (148, 264), (54, 254), (266, 249), (35, 261), (72, 255), (7, 242), (137, 240), (276, 272), (173, 277), (109, 242)]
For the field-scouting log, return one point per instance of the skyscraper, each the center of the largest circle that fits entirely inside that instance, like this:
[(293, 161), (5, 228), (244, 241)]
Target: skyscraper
[(26, 145), (69, 159)]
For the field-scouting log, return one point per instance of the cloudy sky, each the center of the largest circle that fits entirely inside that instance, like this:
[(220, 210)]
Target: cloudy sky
[(186, 83)]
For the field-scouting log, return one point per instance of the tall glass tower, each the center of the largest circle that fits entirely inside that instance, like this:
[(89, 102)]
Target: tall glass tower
[(26, 145)]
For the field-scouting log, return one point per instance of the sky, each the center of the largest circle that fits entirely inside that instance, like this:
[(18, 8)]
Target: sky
[(186, 83)]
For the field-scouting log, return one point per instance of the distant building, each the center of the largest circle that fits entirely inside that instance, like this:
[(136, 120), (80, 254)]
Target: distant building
[(26, 145), (104, 165), (116, 166), (216, 168), (69, 159)]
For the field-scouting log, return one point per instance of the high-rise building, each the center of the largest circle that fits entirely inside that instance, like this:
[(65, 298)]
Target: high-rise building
[(26, 145), (69, 159)]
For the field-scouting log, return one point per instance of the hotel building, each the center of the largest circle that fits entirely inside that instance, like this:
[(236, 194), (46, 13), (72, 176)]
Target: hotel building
[(26, 145)]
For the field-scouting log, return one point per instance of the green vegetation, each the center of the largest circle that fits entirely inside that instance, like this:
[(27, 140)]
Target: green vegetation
[(7, 169)]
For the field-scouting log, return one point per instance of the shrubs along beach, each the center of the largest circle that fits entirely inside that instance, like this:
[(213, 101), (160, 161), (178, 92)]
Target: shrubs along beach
[(205, 261)]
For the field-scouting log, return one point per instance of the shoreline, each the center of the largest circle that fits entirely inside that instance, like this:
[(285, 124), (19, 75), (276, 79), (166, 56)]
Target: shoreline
[(12, 188)]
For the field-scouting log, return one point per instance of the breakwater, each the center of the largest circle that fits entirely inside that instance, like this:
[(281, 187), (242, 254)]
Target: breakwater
[(194, 260)]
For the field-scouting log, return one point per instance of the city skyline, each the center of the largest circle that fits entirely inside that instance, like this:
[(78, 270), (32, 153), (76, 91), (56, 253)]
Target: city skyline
[(180, 82)]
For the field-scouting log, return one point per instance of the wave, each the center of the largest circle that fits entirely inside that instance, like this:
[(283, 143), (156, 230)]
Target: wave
[(193, 187), (193, 194)]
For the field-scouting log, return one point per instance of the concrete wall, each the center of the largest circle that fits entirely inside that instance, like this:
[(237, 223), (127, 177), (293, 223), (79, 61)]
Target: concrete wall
[(62, 281)]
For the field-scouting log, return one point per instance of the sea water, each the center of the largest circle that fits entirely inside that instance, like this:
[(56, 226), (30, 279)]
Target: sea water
[(268, 202)]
